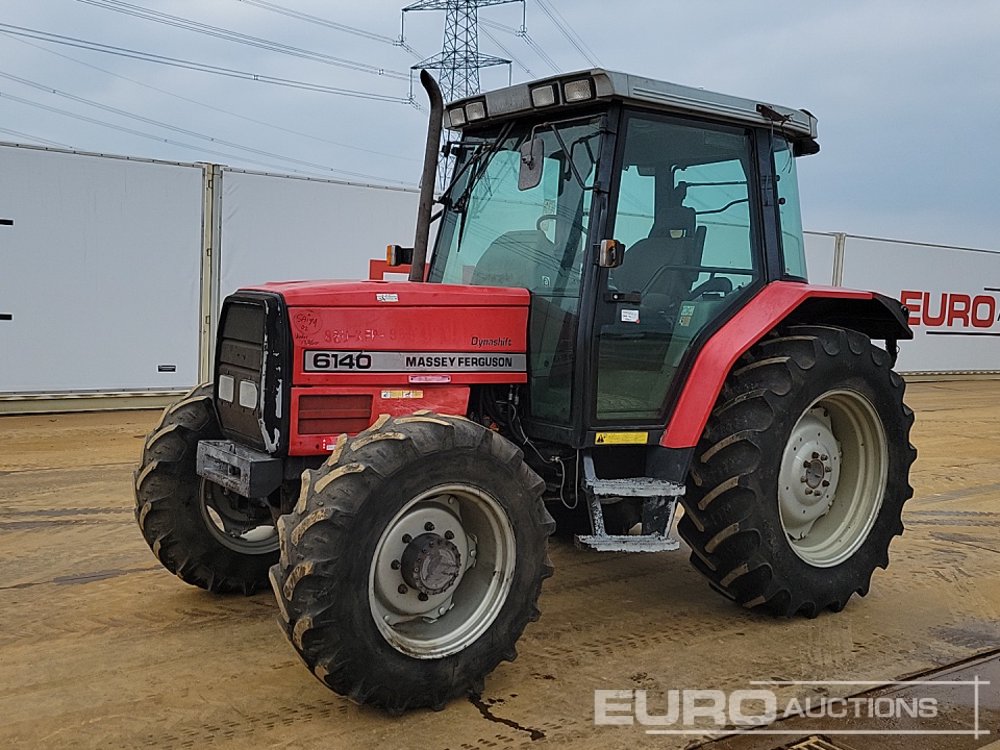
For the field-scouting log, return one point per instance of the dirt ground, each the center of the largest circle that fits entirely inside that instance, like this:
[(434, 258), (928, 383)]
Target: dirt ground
[(101, 648)]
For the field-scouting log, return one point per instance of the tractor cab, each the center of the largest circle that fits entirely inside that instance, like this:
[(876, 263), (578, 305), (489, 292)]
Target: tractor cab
[(640, 215)]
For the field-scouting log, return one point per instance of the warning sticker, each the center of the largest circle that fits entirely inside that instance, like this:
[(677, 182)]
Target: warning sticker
[(402, 394), (687, 312), (630, 316), (621, 438)]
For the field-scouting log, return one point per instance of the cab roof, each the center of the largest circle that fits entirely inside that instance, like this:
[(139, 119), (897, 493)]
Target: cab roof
[(570, 90)]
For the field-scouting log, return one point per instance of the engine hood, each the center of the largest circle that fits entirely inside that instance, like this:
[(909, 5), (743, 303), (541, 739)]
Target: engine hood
[(333, 293)]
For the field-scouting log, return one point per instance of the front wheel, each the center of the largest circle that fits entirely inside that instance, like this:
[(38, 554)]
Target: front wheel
[(203, 533), (413, 561), (799, 481)]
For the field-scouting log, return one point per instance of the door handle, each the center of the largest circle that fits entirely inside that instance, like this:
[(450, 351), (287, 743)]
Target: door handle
[(633, 298)]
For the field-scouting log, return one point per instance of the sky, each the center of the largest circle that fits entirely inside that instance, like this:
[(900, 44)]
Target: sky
[(907, 92)]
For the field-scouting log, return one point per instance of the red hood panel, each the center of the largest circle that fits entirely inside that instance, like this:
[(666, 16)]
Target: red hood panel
[(386, 294)]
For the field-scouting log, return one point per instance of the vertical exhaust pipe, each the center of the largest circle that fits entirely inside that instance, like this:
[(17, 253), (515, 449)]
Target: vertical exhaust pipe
[(434, 125)]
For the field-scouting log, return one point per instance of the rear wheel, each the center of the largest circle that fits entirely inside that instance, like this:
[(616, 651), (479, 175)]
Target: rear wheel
[(799, 481), (205, 534), (413, 561)]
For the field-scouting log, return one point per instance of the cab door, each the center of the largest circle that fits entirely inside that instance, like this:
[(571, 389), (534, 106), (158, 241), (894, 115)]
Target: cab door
[(688, 219)]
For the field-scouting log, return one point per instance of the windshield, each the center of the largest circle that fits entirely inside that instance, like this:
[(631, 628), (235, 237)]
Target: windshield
[(494, 234)]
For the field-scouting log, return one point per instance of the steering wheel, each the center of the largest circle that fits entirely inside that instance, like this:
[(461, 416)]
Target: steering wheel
[(556, 217), (714, 284)]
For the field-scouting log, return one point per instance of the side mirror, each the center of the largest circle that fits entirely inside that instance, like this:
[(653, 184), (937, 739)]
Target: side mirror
[(610, 254), (532, 156)]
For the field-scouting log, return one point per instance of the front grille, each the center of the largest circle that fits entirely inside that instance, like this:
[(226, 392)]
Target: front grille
[(252, 371), (333, 414)]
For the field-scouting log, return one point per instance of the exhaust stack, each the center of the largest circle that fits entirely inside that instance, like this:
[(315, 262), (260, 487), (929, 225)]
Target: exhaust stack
[(434, 125)]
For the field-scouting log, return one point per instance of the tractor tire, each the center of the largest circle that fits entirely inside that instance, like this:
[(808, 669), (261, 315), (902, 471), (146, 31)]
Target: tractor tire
[(798, 483), (200, 532), (413, 561)]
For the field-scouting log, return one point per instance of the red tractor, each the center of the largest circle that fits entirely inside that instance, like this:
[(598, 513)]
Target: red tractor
[(615, 318)]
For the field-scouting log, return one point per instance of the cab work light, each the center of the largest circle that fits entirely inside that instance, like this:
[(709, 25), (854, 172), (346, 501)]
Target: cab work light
[(475, 111), (543, 96), (578, 91), (456, 117)]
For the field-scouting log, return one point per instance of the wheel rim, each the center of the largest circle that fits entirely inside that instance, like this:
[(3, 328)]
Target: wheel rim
[(229, 519), (442, 571), (832, 478)]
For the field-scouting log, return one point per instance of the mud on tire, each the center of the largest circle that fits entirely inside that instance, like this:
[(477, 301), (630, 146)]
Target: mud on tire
[(336, 588), (827, 385), (171, 505)]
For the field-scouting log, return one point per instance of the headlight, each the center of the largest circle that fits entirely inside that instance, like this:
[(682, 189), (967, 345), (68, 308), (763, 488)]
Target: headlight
[(227, 388), (248, 394)]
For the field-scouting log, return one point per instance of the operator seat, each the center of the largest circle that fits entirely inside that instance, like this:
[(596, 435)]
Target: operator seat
[(519, 258), (674, 240)]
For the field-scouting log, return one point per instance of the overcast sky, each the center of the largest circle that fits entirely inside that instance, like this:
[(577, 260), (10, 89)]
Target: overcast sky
[(907, 92)]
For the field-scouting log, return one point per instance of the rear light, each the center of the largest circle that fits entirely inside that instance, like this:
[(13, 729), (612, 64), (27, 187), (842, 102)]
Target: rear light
[(333, 414)]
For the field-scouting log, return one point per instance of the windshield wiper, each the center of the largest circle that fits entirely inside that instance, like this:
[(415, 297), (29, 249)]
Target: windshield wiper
[(482, 160)]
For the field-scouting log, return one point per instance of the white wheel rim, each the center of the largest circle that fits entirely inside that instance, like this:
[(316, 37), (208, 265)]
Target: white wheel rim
[(832, 478), (458, 605), (227, 528)]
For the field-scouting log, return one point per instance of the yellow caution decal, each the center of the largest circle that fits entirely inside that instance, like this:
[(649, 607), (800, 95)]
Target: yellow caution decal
[(402, 394), (621, 438)]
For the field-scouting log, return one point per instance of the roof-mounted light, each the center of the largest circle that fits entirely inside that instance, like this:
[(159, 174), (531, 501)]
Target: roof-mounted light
[(578, 91), (544, 96), (475, 111), (456, 117)]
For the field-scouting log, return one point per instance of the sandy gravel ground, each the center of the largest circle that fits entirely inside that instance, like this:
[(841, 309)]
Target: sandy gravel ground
[(101, 648)]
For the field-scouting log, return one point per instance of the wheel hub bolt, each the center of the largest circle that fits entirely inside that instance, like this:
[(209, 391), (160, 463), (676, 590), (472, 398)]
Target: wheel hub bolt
[(402, 588), (394, 564), (449, 534), (428, 526), (826, 482), (422, 596), (407, 538), (824, 457), (829, 469), (815, 455)]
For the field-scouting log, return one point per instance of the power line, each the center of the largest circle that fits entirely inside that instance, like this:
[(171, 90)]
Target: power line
[(234, 36), (45, 36), (507, 52), (139, 133), (567, 31), (275, 8), (213, 107), (177, 129), (37, 139), (522, 33), (161, 124), (314, 169)]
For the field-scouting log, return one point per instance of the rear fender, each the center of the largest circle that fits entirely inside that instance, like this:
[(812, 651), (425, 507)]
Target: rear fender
[(782, 302)]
